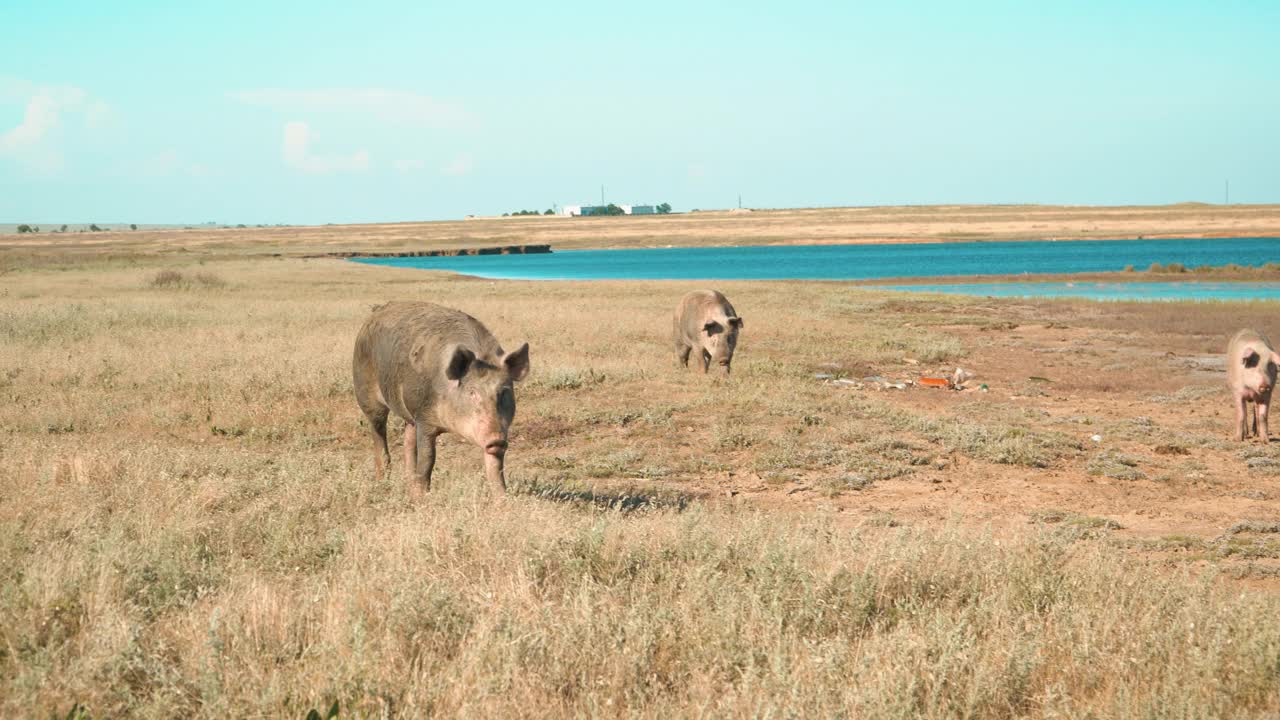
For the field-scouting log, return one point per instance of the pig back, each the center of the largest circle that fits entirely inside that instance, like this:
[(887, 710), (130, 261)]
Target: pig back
[(696, 308), (404, 345)]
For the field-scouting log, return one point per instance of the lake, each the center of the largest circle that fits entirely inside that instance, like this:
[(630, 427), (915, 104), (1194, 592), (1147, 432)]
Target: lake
[(852, 262)]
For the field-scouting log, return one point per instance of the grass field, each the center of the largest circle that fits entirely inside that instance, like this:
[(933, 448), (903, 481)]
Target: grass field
[(922, 223), (189, 523)]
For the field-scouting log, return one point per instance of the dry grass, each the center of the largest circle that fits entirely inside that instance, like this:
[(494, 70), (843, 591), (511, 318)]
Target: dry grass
[(175, 279), (189, 523), (240, 586)]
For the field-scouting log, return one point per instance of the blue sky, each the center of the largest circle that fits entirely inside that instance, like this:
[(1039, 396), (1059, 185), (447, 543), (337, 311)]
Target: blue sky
[(293, 112)]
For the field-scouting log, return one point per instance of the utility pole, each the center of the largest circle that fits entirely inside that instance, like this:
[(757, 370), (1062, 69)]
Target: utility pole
[(739, 201), (1226, 195), (601, 194)]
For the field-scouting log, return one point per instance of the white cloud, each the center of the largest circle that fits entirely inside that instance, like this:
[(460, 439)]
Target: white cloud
[(296, 151), (33, 141), (41, 116), (394, 107), (169, 163), (460, 165), (407, 166)]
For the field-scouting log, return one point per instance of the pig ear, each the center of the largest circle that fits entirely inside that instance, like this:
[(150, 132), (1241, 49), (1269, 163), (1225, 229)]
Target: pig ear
[(518, 362), (1249, 358), (1275, 357), (459, 363), (736, 322)]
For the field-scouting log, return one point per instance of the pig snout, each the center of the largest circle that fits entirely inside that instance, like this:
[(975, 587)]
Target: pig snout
[(497, 446)]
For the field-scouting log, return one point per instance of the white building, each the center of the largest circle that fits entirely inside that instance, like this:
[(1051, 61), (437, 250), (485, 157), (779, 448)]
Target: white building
[(576, 210)]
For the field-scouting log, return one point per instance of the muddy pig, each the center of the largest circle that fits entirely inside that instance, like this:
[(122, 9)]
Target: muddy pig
[(1251, 376), (441, 371), (707, 324)]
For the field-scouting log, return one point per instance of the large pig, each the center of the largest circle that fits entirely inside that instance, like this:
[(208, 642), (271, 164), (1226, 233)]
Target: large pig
[(1251, 376), (441, 371), (706, 323)]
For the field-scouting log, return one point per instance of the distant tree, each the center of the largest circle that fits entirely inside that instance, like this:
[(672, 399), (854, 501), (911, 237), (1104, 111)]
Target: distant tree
[(95, 228), (240, 225), (549, 211), (62, 229), (132, 226), (614, 210), (664, 208), (23, 229), (506, 214)]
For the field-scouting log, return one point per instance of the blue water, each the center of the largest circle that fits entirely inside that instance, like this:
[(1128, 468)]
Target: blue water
[(1110, 290), (852, 262)]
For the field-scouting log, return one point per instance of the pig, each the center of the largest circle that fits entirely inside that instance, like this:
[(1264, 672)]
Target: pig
[(705, 322), (1251, 376), (441, 371)]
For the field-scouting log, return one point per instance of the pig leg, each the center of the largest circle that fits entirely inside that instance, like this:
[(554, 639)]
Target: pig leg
[(706, 361), (1242, 422), (410, 450), (381, 455), (682, 354), (425, 444), (1260, 407), (493, 471)]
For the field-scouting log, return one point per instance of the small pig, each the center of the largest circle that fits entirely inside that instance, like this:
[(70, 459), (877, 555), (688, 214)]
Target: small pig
[(1251, 376), (441, 371), (706, 323)]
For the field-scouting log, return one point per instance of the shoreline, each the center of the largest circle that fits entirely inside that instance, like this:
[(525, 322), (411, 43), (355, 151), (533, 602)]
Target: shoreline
[(903, 240), (527, 249), (955, 240), (1119, 276)]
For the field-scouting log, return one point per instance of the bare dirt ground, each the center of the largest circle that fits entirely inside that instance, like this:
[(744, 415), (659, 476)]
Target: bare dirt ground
[(1108, 416), (762, 227), (1108, 391)]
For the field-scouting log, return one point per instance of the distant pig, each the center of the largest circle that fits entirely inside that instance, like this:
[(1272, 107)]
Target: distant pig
[(1251, 376), (706, 323), (441, 371)]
